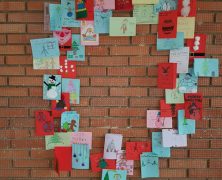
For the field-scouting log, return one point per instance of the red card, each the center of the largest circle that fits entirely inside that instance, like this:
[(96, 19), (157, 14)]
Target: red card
[(198, 44), (169, 110), (84, 9), (187, 8), (65, 38), (167, 27), (98, 163), (193, 106), (63, 158), (124, 5), (60, 106), (167, 74), (134, 149), (44, 123), (67, 68)]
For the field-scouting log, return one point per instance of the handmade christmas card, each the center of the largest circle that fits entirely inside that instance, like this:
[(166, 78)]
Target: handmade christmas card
[(169, 110), (123, 5), (65, 38), (84, 10), (55, 14), (51, 87), (185, 126), (67, 68), (171, 138), (123, 164), (108, 174), (154, 120), (166, 5), (197, 44), (80, 156), (69, 121), (101, 21), (187, 26), (145, 1), (187, 8), (82, 138)]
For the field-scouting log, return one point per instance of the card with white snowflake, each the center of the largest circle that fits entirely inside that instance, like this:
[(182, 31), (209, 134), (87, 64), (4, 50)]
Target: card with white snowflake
[(67, 68)]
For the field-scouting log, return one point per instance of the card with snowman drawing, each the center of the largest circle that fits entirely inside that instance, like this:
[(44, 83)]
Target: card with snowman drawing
[(51, 87), (65, 38), (113, 143), (187, 8)]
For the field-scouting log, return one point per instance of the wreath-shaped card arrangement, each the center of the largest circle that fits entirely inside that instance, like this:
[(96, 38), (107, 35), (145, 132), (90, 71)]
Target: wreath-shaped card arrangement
[(178, 77)]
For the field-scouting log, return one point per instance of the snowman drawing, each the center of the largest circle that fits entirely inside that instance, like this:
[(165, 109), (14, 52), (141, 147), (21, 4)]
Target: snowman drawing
[(52, 87)]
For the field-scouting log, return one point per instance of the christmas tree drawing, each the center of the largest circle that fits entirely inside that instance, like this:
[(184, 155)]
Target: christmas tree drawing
[(75, 47), (106, 176), (56, 139)]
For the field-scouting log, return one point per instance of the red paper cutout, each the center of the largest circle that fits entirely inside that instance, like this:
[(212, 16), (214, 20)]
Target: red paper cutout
[(193, 44), (84, 10), (169, 110), (125, 5), (65, 38), (67, 68), (186, 9), (134, 149), (44, 123)]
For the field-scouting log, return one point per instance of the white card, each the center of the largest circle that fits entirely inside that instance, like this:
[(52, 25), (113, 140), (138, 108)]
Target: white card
[(171, 138)]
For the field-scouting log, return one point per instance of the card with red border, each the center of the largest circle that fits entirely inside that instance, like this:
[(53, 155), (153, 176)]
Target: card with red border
[(124, 5), (169, 110), (187, 8), (198, 44), (84, 10), (167, 27), (67, 68), (65, 38), (44, 123), (134, 149)]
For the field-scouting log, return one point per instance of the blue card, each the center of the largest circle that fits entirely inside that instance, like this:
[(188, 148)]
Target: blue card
[(68, 14), (206, 67), (51, 87), (80, 156), (188, 82), (165, 5), (72, 86), (114, 174), (55, 14), (171, 43), (78, 51), (70, 121), (149, 165), (101, 21), (45, 48), (157, 147), (185, 126)]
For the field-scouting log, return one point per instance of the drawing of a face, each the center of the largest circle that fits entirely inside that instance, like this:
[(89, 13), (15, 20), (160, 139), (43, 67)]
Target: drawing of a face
[(168, 26), (63, 36)]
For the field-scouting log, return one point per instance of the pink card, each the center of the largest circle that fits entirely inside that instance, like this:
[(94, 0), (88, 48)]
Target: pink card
[(65, 38), (104, 4), (155, 121), (82, 138), (123, 164)]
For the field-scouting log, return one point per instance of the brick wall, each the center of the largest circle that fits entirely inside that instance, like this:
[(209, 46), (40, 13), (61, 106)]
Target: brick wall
[(118, 85)]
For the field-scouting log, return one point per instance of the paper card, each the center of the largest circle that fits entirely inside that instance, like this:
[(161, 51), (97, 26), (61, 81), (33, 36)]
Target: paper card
[(145, 14), (187, 26), (194, 106), (70, 121), (68, 14), (46, 17), (67, 68), (123, 5), (60, 106), (55, 14), (188, 82), (84, 10), (171, 138), (113, 143), (44, 123), (155, 121), (82, 138), (134, 149), (104, 4), (181, 57), (149, 165), (173, 96), (58, 139), (62, 160), (171, 43), (185, 126), (123, 164), (88, 35), (72, 86), (167, 73), (108, 174), (197, 44), (46, 63), (109, 4), (80, 156), (51, 87), (166, 5), (78, 51), (167, 27), (122, 26), (98, 163), (145, 1), (187, 8), (206, 67), (169, 110), (157, 146), (64, 37), (101, 21)]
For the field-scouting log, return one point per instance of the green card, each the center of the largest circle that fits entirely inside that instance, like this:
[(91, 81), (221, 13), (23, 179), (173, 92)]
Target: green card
[(122, 26)]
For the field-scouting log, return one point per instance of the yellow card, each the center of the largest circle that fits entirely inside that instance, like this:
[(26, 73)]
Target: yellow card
[(187, 26), (145, 1)]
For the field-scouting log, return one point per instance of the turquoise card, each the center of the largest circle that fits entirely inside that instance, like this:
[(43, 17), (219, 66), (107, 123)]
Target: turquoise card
[(70, 121), (45, 48), (185, 126), (188, 82), (149, 165), (157, 146), (206, 67), (55, 14), (80, 156), (166, 5), (78, 51), (68, 14), (72, 86), (171, 43), (101, 21), (51, 87), (114, 174)]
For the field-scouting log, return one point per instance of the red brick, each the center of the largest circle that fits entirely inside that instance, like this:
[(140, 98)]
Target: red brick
[(23, 38), (148, 39), (108, 40), (19, 60), (203, 173), (40, 72), (21, 122), (14, 154), (179, 153), (216, 123), (137, 122), (109, 122), (191, 163), (127, 112), (3, 102), (143, 81), (131, 132), (25, 81), (3, 81), (12, 6), (36, 92), (4, 144), (4, 71), (218, 39), (91, 71), (105, 81), (96, 51), (173, 173), (28, 102), (156, 92), (13, 112), (147, 61), (47, 173), (214, 49), (7, 173), (207, 133), (8, 91), (143, 29), (41, 154), (94, 91), (5, 163), (109, 101), (209, 6), (205, 17), (35, 5), (209, 28), (31, 163), (216, 143), (4, 123), (3, 17), (159, 53), (12, 28), (128, 92), (209, 153), (109, 61), (12, 49), (126, 71), (35, 28), (129, 50), (28, 143), (12, 134), (25, 17), (145, 102), (2, 39), (215, 163), (92, 111)]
